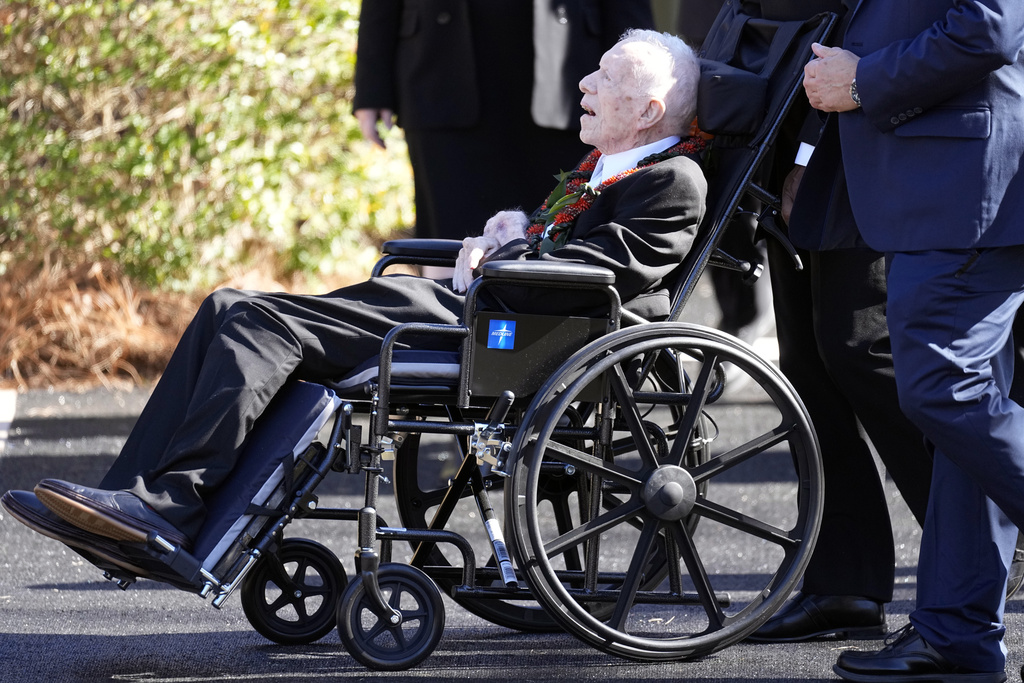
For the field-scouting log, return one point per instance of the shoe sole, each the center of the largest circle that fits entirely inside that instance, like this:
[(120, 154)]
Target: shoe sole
[(88, 518), (983, 677), (862, 633), (27, 518)]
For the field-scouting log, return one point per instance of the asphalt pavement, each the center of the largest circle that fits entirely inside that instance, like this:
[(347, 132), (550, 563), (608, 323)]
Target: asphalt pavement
[(61, 621)]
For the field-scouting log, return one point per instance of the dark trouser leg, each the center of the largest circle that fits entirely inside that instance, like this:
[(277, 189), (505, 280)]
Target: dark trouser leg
[(950, 314), (168, 404), (234, 358), (820, 311), (853, 336)]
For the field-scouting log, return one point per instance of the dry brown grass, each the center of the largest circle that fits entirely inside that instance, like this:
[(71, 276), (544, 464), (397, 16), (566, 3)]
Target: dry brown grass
[(74, 328), (88, 325)]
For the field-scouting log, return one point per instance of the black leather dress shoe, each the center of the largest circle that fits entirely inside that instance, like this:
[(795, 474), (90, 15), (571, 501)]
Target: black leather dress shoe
[(807, 617), (25, 507), (906, 657), (119, 515)]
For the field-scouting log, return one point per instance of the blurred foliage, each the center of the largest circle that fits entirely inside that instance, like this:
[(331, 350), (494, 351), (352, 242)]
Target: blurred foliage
[(189, 140)]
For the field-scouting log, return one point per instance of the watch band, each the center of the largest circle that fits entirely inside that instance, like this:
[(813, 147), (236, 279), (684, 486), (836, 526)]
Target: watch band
[(853, 92)]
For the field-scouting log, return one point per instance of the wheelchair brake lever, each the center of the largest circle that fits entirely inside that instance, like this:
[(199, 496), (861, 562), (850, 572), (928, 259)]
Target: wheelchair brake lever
[(499, 411), (487, 448)]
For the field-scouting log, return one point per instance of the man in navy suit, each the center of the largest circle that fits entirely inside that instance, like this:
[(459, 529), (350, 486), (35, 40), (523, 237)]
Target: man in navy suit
[(928, 112)]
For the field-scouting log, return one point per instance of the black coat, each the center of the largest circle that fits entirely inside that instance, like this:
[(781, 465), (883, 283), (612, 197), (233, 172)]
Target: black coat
[(487, 92), (431, 60)]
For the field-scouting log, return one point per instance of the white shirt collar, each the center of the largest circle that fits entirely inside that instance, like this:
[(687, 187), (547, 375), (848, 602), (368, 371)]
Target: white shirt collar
[(612, 164)]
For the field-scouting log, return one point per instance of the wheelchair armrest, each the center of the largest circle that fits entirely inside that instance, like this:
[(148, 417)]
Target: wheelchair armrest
[(416, 251), (541, 271), (430, 248)]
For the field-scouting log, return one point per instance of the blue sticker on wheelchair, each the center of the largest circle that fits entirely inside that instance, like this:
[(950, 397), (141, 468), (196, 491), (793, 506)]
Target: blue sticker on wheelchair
[(501, 334)]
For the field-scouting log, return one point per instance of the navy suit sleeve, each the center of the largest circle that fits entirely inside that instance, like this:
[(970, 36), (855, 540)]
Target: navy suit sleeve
[(975, 38)]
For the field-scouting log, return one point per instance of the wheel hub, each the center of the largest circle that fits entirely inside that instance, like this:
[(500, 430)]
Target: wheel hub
[(669, 493)]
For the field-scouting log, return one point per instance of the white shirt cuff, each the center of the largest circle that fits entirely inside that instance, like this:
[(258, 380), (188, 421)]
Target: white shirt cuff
[(803, 155)]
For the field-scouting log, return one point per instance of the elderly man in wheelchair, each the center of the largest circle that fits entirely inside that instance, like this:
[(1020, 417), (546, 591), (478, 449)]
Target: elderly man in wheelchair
[(632, 207)]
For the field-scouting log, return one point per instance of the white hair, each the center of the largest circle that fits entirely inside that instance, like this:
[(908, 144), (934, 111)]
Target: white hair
[(671, 74)]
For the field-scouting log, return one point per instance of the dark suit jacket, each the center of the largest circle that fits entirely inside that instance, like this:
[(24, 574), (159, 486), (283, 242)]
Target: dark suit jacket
[(639, 227), (417, 57), (932, 158)]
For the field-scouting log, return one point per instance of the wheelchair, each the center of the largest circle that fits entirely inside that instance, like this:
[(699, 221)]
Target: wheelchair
[(591, 488)]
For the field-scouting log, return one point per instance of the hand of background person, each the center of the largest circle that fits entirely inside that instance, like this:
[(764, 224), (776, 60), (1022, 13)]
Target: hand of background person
[(473, 251), (368, 119), (789, 189), (827, 79)]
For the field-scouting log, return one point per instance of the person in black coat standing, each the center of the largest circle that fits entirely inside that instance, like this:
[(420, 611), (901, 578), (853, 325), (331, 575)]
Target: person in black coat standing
[(487, 93)]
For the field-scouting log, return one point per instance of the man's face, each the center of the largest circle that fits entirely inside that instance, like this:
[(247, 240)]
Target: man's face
[(611, 104)]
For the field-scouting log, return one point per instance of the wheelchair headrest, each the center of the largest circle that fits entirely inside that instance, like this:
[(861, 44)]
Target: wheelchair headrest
[(730, 101)]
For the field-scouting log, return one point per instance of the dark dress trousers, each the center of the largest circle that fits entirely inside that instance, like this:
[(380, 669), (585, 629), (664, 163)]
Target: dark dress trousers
[(241, 347), (932, 166), (487, 92)]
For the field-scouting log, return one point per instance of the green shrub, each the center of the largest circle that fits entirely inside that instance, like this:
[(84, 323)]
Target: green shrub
[(189, 139)]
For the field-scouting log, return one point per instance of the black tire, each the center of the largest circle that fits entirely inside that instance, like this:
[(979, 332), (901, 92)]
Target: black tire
[(290, 596), (380, 645), (647, 491)]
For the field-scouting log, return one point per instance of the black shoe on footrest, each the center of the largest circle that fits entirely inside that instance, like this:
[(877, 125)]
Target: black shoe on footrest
[(25, 507), (119, 515)]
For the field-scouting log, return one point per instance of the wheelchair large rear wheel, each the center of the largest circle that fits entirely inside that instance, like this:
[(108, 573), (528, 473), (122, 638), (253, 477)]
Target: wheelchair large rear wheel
[(424, 468), (757, 494)]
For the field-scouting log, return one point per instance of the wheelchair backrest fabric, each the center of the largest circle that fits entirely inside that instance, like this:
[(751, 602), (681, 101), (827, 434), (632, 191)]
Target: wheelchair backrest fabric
[(769, 56)]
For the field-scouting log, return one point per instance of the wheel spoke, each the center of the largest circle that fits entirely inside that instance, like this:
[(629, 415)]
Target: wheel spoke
[(698, 397), (314, 591), (378, 627), (718, 464), (630, 586), (300, 608), (563, 522), (282, 600), (593, 528), (699, 576), (745, 523), (395, 600), (398, 633), (278, 575), (593, 465), (630, 411), (420, 613)]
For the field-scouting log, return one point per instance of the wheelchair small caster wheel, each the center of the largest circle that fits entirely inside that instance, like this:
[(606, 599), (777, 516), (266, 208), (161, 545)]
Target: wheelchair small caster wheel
[(290, 597), (376, 642)]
